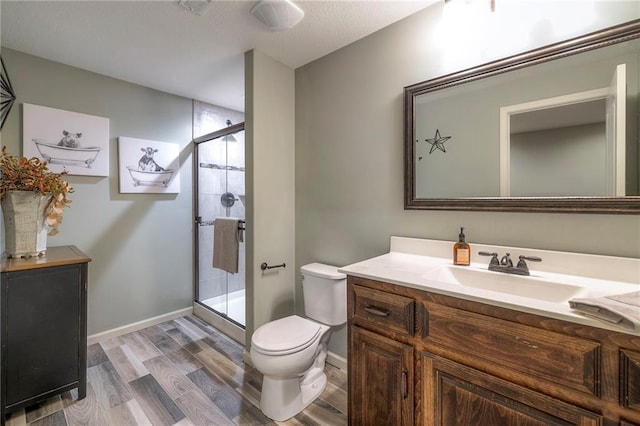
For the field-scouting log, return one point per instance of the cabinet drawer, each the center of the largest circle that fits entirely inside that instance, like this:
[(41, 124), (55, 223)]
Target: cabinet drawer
[(387, 311), (630, 379), (568, 361)]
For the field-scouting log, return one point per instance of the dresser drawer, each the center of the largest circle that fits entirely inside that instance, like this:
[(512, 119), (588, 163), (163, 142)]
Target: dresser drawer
[(386, 311), (568, 361)]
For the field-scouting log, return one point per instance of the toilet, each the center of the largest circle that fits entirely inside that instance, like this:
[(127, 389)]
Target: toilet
[(290, 352)]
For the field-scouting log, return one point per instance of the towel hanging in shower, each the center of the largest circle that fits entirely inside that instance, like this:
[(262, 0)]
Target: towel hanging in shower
[(227, 236)]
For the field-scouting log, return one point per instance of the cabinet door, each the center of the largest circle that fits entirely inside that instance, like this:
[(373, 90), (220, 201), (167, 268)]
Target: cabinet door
[(630, 379), (42, 315), (381, 380), (456, 395)]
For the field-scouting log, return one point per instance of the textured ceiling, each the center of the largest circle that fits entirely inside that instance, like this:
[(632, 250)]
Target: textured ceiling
[(161, 45)]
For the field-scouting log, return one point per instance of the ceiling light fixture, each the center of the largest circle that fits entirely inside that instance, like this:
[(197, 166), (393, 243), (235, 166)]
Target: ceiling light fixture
[(199, 7), (277, 15)]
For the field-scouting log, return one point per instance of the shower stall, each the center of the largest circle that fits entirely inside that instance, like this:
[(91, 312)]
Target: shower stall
[(219, 193)]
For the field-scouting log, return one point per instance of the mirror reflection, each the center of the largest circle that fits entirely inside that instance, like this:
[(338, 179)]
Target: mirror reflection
[(543, 131), (579, 140), (554, 129)]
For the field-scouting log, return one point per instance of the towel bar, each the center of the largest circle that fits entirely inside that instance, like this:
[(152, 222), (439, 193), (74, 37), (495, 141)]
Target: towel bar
[(201, 222)]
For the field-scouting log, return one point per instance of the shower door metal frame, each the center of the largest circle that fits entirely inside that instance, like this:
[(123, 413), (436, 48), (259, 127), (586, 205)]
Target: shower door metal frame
[(227, 131)]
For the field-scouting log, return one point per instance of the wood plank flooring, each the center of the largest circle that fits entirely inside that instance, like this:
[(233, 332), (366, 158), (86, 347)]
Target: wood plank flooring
[(182, 372)]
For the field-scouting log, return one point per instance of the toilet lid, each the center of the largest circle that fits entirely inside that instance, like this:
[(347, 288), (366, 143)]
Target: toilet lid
[(285, 335)]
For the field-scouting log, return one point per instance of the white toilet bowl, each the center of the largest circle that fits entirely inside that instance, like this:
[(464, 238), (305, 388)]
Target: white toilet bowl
[(291, 353)]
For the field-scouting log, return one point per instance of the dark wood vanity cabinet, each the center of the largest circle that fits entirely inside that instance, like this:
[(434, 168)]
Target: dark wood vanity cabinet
[(43, 314), (476, 364)]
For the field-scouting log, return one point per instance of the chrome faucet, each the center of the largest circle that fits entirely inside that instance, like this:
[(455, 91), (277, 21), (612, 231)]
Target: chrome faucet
[(505, 264)]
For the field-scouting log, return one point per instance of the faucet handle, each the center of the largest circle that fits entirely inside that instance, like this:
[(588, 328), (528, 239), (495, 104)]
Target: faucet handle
[(522, 258), (530, 258), (494, 257), (523, 265)]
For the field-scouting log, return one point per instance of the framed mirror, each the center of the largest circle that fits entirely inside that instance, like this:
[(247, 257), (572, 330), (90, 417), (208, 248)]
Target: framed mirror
[(533, 132)]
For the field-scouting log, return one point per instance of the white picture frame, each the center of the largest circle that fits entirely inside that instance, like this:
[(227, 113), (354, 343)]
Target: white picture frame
[(148, 166), (68, 141)]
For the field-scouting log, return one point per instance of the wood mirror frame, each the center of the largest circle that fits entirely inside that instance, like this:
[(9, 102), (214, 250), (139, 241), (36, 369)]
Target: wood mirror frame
[(591, 41)]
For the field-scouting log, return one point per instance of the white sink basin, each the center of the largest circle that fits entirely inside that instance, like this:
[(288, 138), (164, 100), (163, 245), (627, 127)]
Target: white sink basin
[(516, 285)]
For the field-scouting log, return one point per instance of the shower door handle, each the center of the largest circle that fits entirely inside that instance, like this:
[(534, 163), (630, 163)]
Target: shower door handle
[(200, 222)]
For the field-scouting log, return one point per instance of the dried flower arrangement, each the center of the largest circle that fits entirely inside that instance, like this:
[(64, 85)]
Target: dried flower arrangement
[(32, 174)]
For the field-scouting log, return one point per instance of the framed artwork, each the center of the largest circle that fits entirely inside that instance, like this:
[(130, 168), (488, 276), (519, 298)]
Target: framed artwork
[(68, 141), (147, 166)]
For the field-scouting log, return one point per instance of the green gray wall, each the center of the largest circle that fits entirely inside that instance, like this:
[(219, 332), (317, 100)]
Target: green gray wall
[(140, 244), (349, 147), (269, 139)]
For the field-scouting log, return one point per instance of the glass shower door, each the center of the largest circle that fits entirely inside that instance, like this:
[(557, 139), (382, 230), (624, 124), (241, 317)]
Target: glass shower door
[(220, 188)]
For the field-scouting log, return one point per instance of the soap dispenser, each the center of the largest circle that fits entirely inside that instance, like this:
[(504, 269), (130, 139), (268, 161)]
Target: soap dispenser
[(461, 250)]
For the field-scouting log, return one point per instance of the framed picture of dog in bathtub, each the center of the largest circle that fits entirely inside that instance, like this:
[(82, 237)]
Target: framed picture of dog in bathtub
[(147, 166), (68, 141)]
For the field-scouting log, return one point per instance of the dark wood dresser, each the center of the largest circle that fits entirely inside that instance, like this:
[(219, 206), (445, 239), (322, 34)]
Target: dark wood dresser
[(43, 314)]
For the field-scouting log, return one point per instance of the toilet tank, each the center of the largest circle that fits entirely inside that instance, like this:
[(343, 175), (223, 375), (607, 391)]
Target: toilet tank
[(324, 290)]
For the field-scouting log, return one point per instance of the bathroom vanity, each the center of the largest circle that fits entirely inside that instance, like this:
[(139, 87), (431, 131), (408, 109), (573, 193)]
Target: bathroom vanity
[(43, 313), (428, 350)]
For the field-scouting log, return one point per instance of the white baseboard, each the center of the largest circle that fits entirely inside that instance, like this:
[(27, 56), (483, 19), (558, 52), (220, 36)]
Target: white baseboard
[(233, 331), (130, 328), (246, 357), (337, 361)]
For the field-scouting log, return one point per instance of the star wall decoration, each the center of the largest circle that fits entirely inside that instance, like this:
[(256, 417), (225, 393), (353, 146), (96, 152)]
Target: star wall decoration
[(437, 142)]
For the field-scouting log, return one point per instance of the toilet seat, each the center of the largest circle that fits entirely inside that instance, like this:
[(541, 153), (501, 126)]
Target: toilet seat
[(285, 336)]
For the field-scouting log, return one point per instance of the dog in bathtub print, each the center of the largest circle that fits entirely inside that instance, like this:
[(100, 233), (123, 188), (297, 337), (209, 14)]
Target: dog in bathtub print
[(149, 171)]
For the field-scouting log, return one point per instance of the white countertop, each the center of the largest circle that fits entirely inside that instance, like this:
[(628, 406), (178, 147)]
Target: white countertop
[(421, 271)]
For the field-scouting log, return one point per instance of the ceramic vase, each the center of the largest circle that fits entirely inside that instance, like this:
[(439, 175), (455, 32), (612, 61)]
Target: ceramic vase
[(24, 223)]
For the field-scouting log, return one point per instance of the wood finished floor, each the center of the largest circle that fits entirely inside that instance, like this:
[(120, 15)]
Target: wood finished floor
[(181, 372)]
